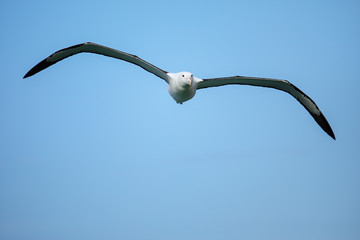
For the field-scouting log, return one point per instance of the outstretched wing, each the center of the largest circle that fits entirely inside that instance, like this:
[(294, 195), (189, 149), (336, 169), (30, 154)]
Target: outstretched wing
[(282, 85), (98, 49)]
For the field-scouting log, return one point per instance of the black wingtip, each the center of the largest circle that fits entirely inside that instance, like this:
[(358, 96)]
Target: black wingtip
[(331, 134), (324, 124), (39, 67), (319, 118), (28, 74)]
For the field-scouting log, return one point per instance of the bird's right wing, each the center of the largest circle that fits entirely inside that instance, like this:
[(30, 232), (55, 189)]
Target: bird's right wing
[(282, 85), (98, 49)]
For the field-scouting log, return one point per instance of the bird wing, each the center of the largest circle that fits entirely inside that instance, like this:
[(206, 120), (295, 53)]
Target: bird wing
[(282, 85), (98, 49)]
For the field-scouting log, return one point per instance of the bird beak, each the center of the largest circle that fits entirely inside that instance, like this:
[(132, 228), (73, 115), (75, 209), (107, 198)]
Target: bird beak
[(188, 80)]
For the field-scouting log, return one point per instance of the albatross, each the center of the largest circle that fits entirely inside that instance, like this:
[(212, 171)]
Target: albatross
[(182, 86)]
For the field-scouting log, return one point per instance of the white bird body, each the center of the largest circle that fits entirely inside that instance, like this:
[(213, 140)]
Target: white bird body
[(182, 86)]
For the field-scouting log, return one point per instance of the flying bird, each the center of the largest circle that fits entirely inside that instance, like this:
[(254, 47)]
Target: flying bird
[(182, 86)]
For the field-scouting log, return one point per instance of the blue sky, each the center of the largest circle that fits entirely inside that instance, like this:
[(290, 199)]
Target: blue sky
[(96, 148)]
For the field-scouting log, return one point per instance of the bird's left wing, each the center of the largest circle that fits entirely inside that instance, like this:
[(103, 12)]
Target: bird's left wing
[(98, 49), (282, 85)]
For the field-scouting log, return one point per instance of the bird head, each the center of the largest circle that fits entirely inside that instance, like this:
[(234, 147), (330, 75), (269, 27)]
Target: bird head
[(186, 79)]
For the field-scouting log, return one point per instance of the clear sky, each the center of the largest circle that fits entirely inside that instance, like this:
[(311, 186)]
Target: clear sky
[(95, 148)]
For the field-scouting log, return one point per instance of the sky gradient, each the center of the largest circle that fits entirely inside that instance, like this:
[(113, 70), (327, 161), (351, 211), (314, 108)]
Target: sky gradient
[(95, 148)]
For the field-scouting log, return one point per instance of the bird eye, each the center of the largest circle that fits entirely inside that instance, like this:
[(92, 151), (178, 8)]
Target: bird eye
[(182, 75)]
